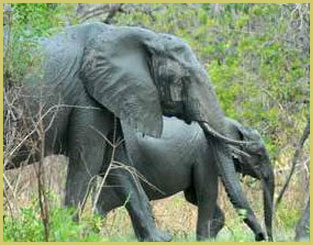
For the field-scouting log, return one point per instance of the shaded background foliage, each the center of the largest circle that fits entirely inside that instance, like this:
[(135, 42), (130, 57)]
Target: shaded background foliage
[(257, 56)]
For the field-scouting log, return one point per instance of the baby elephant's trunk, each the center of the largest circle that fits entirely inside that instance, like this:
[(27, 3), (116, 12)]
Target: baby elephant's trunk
[(268, 199)]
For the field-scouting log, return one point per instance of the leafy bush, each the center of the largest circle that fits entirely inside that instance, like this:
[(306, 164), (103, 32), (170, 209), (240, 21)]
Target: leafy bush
[(28, 24), (28, 227)]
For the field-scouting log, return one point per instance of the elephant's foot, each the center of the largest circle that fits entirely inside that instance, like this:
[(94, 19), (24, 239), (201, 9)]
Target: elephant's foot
[(260, 236), (250, 220), (158, 236), (215, 228), (201, 238), (204, 237)]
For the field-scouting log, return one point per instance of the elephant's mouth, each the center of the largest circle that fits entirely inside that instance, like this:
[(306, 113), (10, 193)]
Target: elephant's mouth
[(176, 109), (247, 168)]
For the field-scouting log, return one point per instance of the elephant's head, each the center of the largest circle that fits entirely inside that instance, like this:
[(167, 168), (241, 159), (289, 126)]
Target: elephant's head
[(255, 163), (140, 75)]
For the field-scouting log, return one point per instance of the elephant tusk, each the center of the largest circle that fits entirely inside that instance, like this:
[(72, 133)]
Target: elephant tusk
[(207, 128), (239, 152)]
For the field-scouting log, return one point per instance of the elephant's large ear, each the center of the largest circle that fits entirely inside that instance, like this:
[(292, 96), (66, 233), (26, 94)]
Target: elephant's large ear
[(115, 72), (236, 130)]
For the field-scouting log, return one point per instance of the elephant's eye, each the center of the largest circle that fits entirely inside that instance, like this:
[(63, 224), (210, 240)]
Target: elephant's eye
[(258, 153), (176, 89)]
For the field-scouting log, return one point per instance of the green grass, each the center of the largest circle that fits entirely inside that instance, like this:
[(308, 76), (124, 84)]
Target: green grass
[(28, 227), (237, 235)]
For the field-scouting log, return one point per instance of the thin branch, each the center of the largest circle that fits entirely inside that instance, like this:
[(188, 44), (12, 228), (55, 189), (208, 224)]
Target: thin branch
[(305, 135)]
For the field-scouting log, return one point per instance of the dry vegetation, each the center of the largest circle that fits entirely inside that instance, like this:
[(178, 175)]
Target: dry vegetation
[(173, 214)]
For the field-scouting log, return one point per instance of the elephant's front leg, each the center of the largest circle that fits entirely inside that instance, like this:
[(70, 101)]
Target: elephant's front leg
[(217, 222), (86, 146), (206, 186), (137, 203), (84, 164)]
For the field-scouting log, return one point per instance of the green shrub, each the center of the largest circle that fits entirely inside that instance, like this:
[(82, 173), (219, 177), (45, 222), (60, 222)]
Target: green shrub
[(31, 23), (28, 227)]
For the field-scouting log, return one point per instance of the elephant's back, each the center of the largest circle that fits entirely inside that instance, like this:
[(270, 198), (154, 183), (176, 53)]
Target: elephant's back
[(175, 133), (176, 128), (63, 52)]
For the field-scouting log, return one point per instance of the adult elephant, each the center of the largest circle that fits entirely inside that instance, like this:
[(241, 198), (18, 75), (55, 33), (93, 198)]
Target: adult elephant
[(95, 74), (183, 160)]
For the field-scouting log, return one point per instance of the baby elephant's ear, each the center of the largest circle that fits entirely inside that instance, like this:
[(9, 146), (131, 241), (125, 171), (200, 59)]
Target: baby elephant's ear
[(236, 129), (115, 72)]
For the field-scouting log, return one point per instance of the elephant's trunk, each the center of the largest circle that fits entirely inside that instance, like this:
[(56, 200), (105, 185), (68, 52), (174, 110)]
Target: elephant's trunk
[(268, 199), (232, 185), (202, 106)]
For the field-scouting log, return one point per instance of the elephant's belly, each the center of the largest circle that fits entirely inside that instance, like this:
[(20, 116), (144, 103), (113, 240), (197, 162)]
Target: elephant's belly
[(165, 176)]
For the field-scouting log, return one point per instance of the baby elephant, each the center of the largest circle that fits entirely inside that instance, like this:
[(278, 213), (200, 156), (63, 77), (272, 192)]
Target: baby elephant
[(182, 160)]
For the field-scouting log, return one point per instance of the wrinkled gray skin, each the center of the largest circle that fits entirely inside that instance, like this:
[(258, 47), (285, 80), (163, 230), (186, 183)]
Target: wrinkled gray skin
[(182, 160), (136, 75)]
